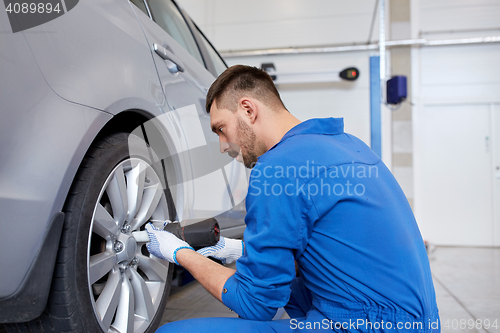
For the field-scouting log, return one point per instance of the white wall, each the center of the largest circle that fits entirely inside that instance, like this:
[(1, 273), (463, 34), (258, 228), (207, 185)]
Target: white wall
[(337, 99), (256, 24), (259, 24), (459, 18), (466, 77)]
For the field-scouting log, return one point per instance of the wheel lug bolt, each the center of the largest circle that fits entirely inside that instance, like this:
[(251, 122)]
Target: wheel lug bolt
[(134, 261), (126, 229), (118, 246)]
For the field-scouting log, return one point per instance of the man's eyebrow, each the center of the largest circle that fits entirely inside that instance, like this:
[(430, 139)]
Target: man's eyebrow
[(215, 127)]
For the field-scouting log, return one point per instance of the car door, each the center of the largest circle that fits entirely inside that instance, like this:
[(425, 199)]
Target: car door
[(204, 189), (237, 175)]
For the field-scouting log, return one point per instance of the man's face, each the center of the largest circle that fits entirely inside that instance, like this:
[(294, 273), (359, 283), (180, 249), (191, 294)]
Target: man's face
[(236, 137)]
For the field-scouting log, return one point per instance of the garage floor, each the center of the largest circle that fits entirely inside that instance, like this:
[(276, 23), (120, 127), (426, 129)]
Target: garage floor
[(467, 283)]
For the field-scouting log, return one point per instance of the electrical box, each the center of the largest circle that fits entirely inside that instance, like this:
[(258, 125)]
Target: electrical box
[(396, 89)]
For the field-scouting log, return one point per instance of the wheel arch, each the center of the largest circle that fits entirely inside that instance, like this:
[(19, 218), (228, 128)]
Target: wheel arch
[(125, 121), (129, 121), (27, 303)]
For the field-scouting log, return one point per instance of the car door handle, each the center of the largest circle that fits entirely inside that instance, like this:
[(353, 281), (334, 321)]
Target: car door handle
[(167, 55)]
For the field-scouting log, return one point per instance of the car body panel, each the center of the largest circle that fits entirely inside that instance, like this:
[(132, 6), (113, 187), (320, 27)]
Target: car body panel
[(204, 179), (96, 55), (61, 83), (42, 141)]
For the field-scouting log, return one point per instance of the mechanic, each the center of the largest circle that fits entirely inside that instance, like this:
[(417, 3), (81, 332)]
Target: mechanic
[(320, 198)]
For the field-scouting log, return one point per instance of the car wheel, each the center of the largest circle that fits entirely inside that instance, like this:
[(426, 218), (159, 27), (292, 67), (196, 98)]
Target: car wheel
[(104, 280)]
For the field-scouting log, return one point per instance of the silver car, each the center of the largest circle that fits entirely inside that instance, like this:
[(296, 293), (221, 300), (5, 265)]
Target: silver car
[(102, 129)]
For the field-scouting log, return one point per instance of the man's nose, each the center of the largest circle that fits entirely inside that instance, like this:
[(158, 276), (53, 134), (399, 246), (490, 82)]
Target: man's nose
[(224, 146)]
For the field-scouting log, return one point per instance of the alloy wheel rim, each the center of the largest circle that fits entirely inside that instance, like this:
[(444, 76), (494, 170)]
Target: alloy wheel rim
[(126, 283)]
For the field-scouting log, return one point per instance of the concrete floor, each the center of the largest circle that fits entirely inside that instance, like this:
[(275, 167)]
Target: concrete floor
[(193, 301), (467, 283)]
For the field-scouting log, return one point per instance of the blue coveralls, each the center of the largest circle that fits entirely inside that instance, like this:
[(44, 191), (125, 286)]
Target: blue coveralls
[(322, 198)]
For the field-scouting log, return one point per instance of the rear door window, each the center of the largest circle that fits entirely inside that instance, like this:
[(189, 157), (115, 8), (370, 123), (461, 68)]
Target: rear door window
[(140, 4), (219, 64), (167, 16)]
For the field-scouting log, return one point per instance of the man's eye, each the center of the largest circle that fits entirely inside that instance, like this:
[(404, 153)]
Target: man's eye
[(220, 129)]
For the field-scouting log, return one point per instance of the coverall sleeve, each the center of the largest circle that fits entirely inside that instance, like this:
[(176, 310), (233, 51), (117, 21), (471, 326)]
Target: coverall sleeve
[(275, 235)]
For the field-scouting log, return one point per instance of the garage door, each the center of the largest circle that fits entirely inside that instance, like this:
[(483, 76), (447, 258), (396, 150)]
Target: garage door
[(459, 174), (457, 145)]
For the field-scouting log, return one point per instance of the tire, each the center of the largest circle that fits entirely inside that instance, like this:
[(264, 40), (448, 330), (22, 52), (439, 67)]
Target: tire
[(105, 281)]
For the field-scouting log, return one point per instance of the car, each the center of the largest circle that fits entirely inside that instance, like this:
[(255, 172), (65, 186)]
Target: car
[(102, 130)]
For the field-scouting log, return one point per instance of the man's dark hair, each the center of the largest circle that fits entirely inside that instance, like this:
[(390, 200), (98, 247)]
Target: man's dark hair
[(240, 80)]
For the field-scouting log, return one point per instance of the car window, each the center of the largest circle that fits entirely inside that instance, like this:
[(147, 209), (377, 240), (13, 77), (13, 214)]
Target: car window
[(140, 4), (166, 14), (219, 64)]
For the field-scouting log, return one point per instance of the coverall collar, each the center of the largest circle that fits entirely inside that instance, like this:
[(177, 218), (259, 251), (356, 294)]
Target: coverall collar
[(327, 126)]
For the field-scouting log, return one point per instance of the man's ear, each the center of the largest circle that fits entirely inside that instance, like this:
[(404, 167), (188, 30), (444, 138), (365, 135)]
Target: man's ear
[(249, 108)]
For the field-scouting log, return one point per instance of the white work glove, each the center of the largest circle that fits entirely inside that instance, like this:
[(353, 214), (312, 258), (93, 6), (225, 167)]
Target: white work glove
[(227, 250), (164, 244)]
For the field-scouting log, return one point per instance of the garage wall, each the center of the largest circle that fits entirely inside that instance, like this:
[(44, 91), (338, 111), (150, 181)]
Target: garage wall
[(336, 99), (257, 24), (458, 18), (401, 117), (260, 24), (450, 87)]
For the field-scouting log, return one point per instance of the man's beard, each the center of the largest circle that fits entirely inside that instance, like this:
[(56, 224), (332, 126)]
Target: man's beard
[(250, 148)]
